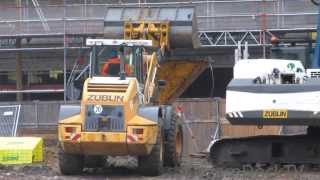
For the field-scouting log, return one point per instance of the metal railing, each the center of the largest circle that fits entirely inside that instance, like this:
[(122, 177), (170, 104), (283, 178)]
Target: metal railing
[(9, 119), (38, 114)]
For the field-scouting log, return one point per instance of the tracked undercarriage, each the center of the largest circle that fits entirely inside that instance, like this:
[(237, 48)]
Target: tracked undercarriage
[(298, 149)]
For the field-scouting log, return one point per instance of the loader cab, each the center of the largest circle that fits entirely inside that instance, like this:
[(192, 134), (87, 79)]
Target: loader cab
[(108, 61), (117, 59)]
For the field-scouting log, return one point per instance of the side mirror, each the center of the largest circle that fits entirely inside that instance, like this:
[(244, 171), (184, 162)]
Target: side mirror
[(161, 83)]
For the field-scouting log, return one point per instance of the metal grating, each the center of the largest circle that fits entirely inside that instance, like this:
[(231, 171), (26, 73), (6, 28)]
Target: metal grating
[(97, 125), (9, 118), (104, 118)]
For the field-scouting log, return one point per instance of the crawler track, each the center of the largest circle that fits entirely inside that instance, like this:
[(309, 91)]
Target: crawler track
[(297, 150)]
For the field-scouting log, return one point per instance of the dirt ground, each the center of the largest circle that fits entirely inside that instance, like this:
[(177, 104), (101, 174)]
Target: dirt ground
[(191, 169)]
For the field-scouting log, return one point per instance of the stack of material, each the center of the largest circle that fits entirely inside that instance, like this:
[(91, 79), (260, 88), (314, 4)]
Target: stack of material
[(21, 150)]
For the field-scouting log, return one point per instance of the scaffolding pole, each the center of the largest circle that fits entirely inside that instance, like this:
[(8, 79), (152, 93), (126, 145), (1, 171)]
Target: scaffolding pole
[(19, 96), (39, 49), (64, 55), (32, 91)]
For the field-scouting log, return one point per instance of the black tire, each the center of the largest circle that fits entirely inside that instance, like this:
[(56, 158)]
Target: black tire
[(174, 142), (70, 164), (152, 164)]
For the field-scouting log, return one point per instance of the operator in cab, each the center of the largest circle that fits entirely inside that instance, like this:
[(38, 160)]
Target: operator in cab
[(112, 66)]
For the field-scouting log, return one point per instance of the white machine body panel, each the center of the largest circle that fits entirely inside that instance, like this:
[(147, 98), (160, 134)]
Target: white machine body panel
[(272, 92)]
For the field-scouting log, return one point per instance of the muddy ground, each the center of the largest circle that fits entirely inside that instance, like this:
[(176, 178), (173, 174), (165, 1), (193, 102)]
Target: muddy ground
[(192, 168)]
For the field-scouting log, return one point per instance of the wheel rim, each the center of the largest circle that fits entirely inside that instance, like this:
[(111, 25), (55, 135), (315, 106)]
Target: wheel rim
[(178, 144)]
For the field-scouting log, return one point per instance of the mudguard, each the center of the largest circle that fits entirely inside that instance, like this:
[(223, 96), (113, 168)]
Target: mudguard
[(68, 111), (150, 112)]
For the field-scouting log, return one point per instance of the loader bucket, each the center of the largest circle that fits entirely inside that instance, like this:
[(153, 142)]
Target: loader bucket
[(182, 22)]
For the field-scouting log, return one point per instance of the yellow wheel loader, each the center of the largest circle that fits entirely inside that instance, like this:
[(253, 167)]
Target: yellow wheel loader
[(120, 112), (117, 115)]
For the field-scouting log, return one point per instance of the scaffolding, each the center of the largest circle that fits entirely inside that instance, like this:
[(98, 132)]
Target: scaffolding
[(212, 16), (220, 23)]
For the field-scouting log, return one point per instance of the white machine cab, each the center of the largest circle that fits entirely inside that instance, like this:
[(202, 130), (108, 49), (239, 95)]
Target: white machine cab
[(270, 68)]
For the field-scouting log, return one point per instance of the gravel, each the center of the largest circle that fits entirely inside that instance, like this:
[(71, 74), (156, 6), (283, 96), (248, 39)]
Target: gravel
[(191, 169)]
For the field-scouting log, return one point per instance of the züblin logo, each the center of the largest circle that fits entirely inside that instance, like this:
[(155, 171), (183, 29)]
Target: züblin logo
[(105, 98)]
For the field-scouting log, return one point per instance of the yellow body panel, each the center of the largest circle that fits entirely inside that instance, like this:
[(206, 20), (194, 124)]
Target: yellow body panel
[(109, 143), (113, 143), (75, 119), (140, 121)]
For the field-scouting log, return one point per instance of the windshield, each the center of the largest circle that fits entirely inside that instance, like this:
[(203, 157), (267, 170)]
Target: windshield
[(107, 61)]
